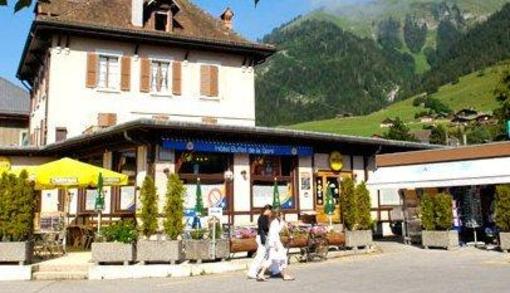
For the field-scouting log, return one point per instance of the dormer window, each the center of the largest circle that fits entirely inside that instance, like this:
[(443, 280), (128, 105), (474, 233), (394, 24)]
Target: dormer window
[(162, 21)]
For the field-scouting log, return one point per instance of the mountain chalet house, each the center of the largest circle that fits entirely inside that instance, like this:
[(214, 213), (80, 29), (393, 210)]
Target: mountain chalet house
[(156, 87)]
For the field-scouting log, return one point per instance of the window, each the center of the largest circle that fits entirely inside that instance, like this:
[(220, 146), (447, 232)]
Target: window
[(125, 197), (161, 21), (209, 80), (60, 133), (109, 72), (160, 77)]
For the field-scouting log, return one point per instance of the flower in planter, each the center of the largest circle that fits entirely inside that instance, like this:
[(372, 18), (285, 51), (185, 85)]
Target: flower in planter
[(198, 234)]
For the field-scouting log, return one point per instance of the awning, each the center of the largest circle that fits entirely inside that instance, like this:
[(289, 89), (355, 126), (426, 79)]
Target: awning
[(447, 174), (234, 147)]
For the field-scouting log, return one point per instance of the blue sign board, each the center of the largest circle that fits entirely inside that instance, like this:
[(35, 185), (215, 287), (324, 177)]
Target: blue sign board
[(231, 147)]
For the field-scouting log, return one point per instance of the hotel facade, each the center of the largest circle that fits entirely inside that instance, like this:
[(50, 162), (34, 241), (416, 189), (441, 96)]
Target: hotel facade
[(160, 87)]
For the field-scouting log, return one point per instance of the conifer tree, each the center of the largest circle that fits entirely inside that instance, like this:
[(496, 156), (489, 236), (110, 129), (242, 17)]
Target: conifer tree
[(174, 207), (502, 211), (349, 207), (149, 212), (363, 204)]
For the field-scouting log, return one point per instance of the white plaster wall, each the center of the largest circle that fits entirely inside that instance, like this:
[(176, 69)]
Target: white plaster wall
[(75, 107), (243, 220), (242, 190), (358, 169), (305, 169), (321, 162)]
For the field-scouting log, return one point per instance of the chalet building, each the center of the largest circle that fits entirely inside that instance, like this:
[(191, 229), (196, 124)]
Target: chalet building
[(14, 111), (159, 87)]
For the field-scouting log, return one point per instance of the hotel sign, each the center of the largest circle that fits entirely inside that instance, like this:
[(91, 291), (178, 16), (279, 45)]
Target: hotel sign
[(230, 147)]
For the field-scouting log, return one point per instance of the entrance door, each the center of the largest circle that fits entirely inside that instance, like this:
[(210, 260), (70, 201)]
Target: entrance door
[(323, 181)]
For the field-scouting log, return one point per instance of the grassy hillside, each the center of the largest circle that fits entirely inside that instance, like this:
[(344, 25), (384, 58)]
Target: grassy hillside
[(474, 90)]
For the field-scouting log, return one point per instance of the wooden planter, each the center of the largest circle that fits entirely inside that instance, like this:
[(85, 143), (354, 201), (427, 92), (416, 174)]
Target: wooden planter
[(159, 251), (112, 252), (16, 252), (358, 238), (335, 239), (504, 241), (295, 242), (440, 239), (199, 250), (243, 245)]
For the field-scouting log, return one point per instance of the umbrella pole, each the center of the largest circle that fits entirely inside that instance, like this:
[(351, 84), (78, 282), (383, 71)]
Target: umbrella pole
[(99, 222), (66, 217)]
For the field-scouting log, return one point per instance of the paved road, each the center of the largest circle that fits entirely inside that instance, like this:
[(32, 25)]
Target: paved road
[(398, 269)]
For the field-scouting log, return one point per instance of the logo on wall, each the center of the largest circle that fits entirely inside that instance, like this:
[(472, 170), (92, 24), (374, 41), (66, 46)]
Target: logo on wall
[(190, 146), (336, 162), (5, 164)]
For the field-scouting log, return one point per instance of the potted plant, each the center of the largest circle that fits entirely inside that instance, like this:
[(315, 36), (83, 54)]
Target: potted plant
[(199, 247), (356, 212), (115, 243), (436, 220), (168, 249), (17, 203), (502, 216), (244, 240)]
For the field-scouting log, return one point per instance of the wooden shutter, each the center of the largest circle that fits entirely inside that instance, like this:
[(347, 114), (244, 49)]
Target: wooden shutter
[(177, 78), (145, 75), (205, 81), (91, 80), (213, 81), (125, 73)]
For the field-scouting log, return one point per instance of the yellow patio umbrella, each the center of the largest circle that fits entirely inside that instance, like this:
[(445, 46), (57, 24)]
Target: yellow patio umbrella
[(68, 173)]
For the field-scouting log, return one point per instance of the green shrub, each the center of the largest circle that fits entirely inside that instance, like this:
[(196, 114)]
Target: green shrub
[(364, 205), (149, 212), (348, 198), (443, 211), (502, 210), (17, 205), (436, 212), (427, 213), (174, 207), (121, 231), (198, 234)]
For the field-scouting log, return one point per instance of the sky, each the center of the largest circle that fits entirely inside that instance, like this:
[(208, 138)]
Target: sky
[(249, 21)]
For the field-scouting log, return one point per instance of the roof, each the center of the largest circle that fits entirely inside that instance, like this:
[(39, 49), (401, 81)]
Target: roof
[(13, 99), (474, 152), (112, 19), (145, 125)]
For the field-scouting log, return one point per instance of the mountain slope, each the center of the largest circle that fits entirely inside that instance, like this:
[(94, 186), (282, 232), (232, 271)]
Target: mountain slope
[(474, 90), (322, 71)]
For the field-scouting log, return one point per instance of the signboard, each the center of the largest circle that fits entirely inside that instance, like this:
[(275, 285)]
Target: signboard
[(336, 161), (213, 195), (263, 194), (215, 212), (231, 148)]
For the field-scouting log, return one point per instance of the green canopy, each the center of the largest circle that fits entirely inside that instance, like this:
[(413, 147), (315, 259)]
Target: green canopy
[(276, 196)]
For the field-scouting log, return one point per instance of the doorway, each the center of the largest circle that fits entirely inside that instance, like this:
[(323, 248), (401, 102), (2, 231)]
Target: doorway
[(323, 181)]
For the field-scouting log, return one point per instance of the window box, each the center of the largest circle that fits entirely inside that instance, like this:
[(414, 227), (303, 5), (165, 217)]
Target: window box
[(441, 239), (18, 252), (112, 252), (199, 250), (159, 251), (358, 238)]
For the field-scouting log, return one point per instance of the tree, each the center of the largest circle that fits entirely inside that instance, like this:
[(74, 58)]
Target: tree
[(502, 209), (443, 211), (439, 135), (415, 34), (364, 207), (174, 207), (348, 201), (149, 212), (427, 213), (502, 94), (399, 131), (388, 33)]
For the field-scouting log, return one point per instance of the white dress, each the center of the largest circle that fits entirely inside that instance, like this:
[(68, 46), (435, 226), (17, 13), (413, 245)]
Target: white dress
[(277, 257)]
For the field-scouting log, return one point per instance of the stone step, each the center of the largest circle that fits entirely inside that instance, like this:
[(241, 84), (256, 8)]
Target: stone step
[(60, 268), (70, 275)]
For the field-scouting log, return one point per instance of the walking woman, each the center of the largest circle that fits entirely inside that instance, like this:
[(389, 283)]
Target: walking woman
[(277, 255), (262, 252)]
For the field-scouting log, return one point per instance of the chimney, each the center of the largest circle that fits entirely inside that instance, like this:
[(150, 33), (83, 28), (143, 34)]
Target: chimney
[(227, 17), (137, 13)]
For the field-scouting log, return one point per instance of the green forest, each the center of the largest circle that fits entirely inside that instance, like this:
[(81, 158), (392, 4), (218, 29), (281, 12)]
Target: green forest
[(323, 71)]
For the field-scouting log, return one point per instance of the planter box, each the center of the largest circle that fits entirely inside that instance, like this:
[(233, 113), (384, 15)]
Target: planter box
[(336, 239), (199, 250), (159, 251), (504, 241), (112, 252), (243, 245), (18, 252), (441, 239), (358, 238)]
